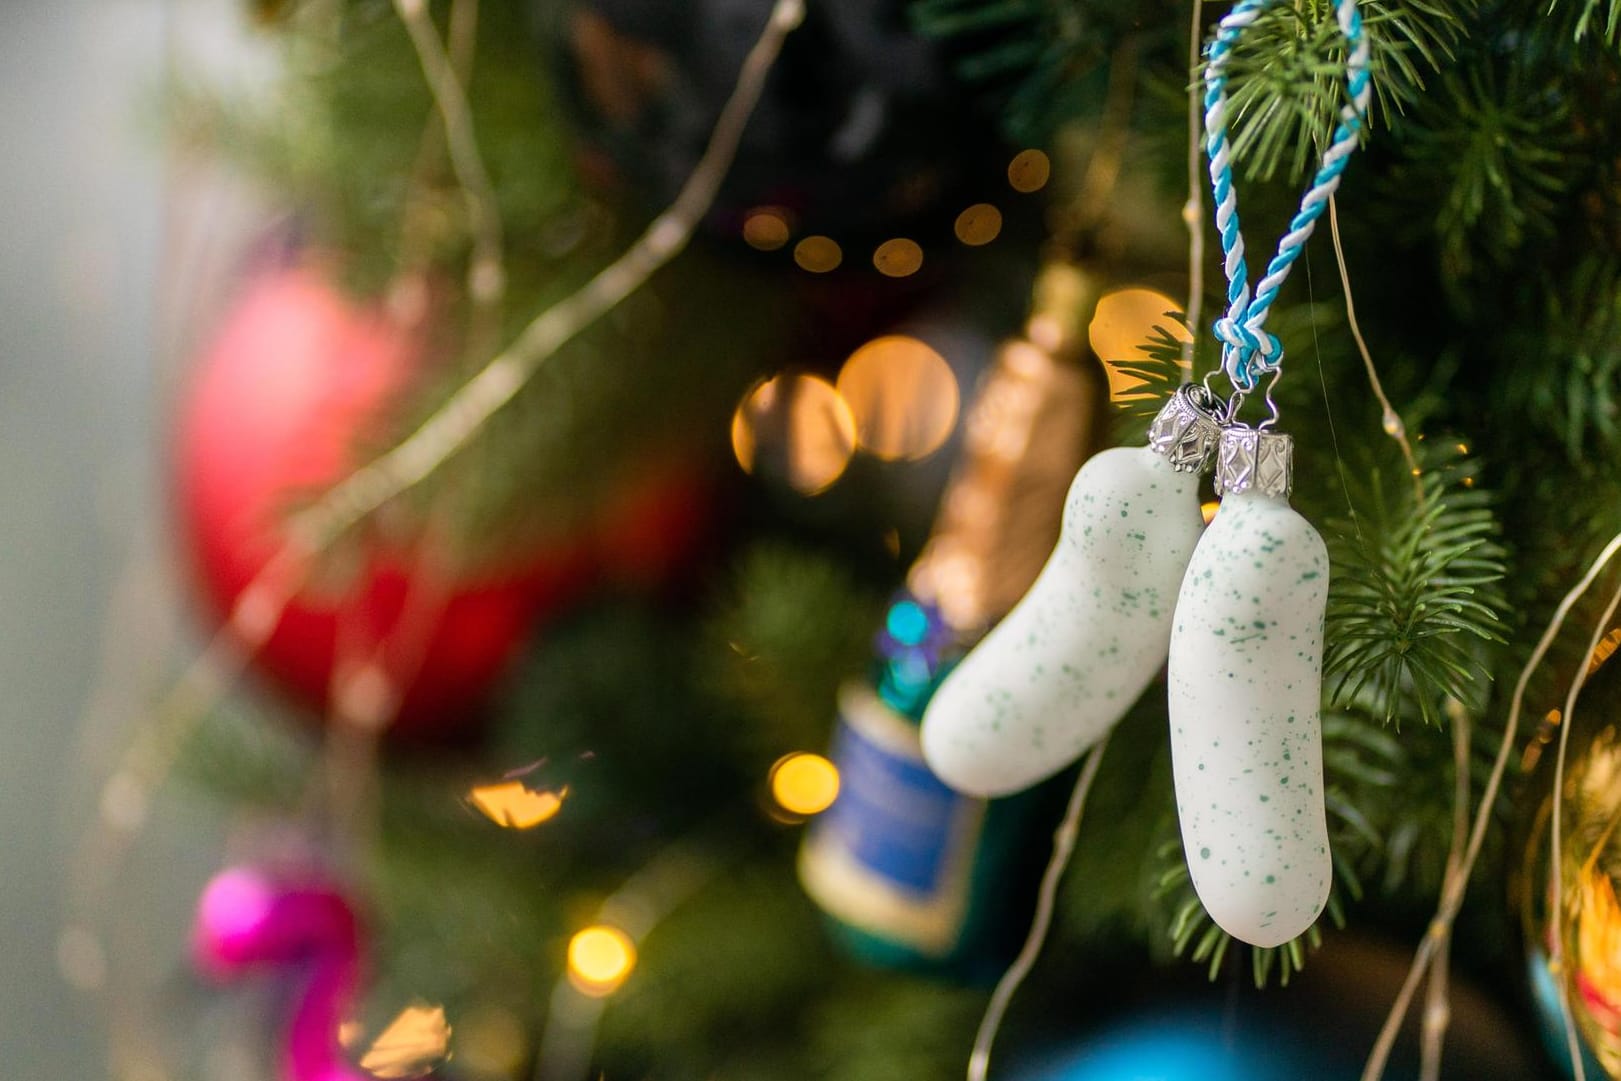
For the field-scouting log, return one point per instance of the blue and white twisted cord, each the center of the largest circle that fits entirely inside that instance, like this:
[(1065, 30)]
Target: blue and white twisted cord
[(1248, 351)]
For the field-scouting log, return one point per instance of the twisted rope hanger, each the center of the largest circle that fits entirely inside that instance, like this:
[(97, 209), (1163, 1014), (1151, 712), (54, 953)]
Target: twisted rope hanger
[(1248, 351)]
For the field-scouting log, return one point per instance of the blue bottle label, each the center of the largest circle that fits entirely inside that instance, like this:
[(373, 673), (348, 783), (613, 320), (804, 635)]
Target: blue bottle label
[(894, 855)]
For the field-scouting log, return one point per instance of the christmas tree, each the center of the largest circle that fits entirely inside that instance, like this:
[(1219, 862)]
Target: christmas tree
[(638, 413)]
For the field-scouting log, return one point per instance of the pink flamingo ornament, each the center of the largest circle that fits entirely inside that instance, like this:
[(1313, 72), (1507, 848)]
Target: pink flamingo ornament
[(249, 919)]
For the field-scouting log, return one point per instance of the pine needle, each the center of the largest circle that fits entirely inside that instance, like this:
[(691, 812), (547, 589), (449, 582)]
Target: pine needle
[(1414, 594)]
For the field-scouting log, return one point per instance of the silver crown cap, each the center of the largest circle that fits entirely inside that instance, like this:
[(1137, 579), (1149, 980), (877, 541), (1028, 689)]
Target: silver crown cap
[(1186, 430), (1255, 460)]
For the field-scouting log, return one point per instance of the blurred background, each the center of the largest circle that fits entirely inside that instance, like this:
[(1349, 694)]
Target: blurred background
[(88, 200), (593, 752)]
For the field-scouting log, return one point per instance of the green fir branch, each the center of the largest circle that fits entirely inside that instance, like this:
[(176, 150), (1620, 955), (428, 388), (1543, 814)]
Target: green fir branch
[(1415, 590), (793, 625), (1501, 155), (1574, 394), (1601, 18), (1041, 63), (1158, 372), (1287, 75)]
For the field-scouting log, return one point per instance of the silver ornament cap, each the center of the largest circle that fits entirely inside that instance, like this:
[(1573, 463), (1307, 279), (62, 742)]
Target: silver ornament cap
[(1255, 460), (1186, 430)]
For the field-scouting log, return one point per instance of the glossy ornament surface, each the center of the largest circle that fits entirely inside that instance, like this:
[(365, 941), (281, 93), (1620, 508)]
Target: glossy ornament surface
[(1088, 637), (1245, 688), (1587, 886)]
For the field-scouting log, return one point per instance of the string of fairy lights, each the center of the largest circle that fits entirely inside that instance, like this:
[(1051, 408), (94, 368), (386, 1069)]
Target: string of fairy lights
[(897, 398), (770, 228)]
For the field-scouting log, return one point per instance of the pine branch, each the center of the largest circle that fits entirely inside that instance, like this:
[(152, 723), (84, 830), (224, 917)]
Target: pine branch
[(1158, 373), (1288, 74), (1416, 589), (1601, 18), (1575, 396), (1501, 154), (1041, 63), (791, 628)]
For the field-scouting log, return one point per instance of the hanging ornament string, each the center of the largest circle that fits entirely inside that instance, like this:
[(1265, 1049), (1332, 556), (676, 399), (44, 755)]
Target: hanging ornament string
[(1248, 351)]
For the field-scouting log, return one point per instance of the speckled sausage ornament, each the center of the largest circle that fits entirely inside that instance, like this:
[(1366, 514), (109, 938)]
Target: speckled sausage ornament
[(1245, 677), (1067, 662)]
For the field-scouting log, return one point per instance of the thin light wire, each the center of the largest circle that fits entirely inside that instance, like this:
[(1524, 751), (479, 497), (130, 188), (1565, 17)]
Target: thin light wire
[(979, 1061), (667, 881), (1391, 420), (1193, 209), (1437, 993), (1328, 407), (257, 611), (1453, 890), (486, 277), (454, 424)]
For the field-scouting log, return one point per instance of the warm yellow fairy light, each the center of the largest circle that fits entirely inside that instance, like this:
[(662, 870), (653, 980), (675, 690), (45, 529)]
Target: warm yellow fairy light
[(1123, 323), (818, 254), (1029, 171), (416, 1039), (1598, 938), (804, 784), (979, 224), (766, 228), (599, 959), (516, 806), (799, 425), (1605, 649), (1208, 510), (903, 396), (898, 258)]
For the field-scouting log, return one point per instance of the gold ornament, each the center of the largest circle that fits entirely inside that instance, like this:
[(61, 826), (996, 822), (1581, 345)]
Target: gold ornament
[(1586, 885)]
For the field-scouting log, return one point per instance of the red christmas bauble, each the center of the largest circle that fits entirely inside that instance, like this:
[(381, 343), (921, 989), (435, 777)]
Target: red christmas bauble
[(296, 386)]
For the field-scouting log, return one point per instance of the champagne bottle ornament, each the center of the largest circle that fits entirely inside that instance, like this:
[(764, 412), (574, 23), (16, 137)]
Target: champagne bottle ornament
[(1245, 687), (910, 873), (1064, 666), (1245, 665)]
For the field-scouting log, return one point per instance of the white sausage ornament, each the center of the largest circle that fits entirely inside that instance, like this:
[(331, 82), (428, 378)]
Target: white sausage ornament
[(1073, 655), (1245, 687)]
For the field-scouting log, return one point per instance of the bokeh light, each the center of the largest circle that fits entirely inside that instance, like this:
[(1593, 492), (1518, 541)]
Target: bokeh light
[(903, 396), (804, 784), (1192, 1046), (514, 805), (1029, 171), (898, 258), (411, 1044), (766, 228), (1207, 510), (599, 960), (796, 426), (818, 254), (979, 224), (907, 623), (1123, 323)]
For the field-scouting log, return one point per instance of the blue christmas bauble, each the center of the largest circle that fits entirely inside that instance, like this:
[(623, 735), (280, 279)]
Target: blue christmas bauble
[(1191, 1045)]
